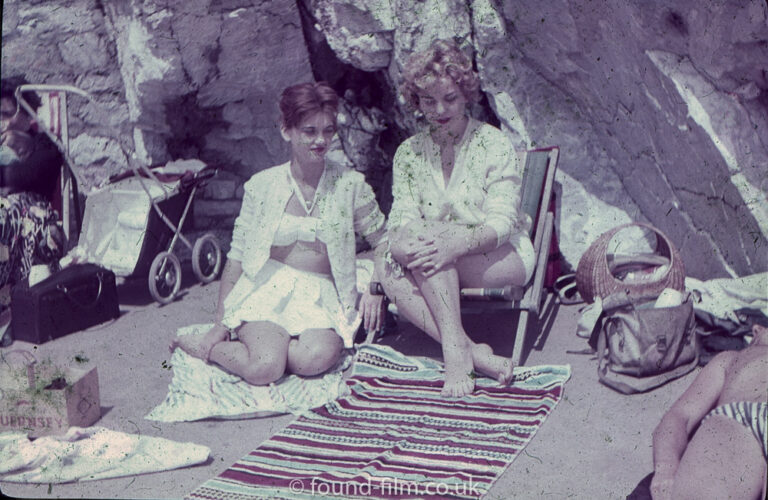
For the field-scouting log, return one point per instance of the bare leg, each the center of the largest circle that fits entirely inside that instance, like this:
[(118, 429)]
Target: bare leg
[(314, 352), (406, 295), (441, 294), (432, 303), (722, 460), (199, 345), (497, 268), (259, 356)]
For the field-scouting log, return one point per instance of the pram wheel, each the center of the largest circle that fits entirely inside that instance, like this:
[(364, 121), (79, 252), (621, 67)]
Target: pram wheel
[(165, 277), (206, 258)]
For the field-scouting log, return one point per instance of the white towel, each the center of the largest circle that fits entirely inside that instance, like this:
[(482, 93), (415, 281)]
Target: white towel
[(724, 297), (199, 390), (85, 454)]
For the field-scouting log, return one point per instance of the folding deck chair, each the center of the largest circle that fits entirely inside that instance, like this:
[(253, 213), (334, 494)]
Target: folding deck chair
[(538, 179)]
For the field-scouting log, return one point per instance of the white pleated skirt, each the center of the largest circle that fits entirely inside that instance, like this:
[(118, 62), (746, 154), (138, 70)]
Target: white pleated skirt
[(294, 299)]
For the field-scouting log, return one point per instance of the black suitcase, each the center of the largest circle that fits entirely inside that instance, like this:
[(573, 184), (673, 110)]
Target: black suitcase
[(73, 299)]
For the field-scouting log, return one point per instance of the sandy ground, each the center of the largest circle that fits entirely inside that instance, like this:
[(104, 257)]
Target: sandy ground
[(595, 445)]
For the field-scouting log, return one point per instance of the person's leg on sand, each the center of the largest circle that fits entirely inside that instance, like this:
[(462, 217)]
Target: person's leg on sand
[(498, 268), (441, 294), (199, 345), (411, 304)]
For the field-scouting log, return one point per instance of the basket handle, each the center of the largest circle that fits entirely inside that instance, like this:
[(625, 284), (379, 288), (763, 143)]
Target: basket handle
[(650, 259), (83, 305)]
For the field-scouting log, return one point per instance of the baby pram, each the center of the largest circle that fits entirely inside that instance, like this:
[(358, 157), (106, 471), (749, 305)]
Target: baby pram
[(132, 224)]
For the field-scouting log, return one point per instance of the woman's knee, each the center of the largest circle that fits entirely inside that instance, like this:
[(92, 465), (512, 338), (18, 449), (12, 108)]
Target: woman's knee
[(398, 243), (267, 345), (314, 352)]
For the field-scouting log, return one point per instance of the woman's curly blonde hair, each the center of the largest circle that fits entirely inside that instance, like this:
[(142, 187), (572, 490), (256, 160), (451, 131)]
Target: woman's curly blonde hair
[(442, 59)]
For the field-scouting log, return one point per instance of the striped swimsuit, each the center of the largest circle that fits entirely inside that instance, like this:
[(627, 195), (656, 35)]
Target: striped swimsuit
[(753, 415)]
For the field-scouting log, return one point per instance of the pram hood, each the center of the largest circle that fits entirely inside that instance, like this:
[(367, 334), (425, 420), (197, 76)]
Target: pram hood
[(115, 223)]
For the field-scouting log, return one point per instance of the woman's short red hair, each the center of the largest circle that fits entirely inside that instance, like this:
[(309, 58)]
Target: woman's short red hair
[(301, 101)]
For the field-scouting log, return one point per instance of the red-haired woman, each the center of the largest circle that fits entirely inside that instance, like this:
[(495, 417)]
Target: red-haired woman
[(288, 292), (454, 219)]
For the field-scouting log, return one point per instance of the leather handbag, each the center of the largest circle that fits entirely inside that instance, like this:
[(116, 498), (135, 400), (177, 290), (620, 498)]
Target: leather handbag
[(73, 299), (642, 346)]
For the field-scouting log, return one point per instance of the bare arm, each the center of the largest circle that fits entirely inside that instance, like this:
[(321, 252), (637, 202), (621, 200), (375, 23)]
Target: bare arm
[(232, 271), (377, 256), (372, 306), (442, 244), (238, 246), (370, 223), (470, 239), (670, 437), (492, 159)]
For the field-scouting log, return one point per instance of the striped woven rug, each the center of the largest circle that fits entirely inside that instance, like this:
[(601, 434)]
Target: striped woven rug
[(394, 436)]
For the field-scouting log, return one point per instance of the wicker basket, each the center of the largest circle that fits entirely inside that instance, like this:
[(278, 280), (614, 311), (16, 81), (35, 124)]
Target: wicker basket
[(600, 274)]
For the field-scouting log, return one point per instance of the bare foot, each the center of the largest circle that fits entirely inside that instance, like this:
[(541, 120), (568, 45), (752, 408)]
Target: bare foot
[(459, 380), (199, 345), (492, 365)]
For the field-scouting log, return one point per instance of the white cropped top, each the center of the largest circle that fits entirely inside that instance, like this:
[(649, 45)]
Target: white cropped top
[(295, 228)]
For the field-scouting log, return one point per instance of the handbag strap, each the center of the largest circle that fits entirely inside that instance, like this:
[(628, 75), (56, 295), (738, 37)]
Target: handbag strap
[(83, 305)]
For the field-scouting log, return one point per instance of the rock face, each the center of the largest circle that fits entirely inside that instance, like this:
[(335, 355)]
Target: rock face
[(180, 79), (660, 111), (610, 84), (68, 44)]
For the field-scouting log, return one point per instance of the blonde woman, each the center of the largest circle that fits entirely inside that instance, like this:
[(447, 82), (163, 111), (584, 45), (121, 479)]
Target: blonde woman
[(455, 219)]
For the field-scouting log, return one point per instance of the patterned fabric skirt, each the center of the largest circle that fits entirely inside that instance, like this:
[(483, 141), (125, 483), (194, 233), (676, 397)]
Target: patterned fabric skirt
[(294, 299), (29, 235)]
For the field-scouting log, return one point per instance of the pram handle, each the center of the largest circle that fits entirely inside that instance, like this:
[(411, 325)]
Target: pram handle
[(45, 87), (206, 174)]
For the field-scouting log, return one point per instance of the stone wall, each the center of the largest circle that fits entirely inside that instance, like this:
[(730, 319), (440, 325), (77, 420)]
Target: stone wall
[(659, 110)]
